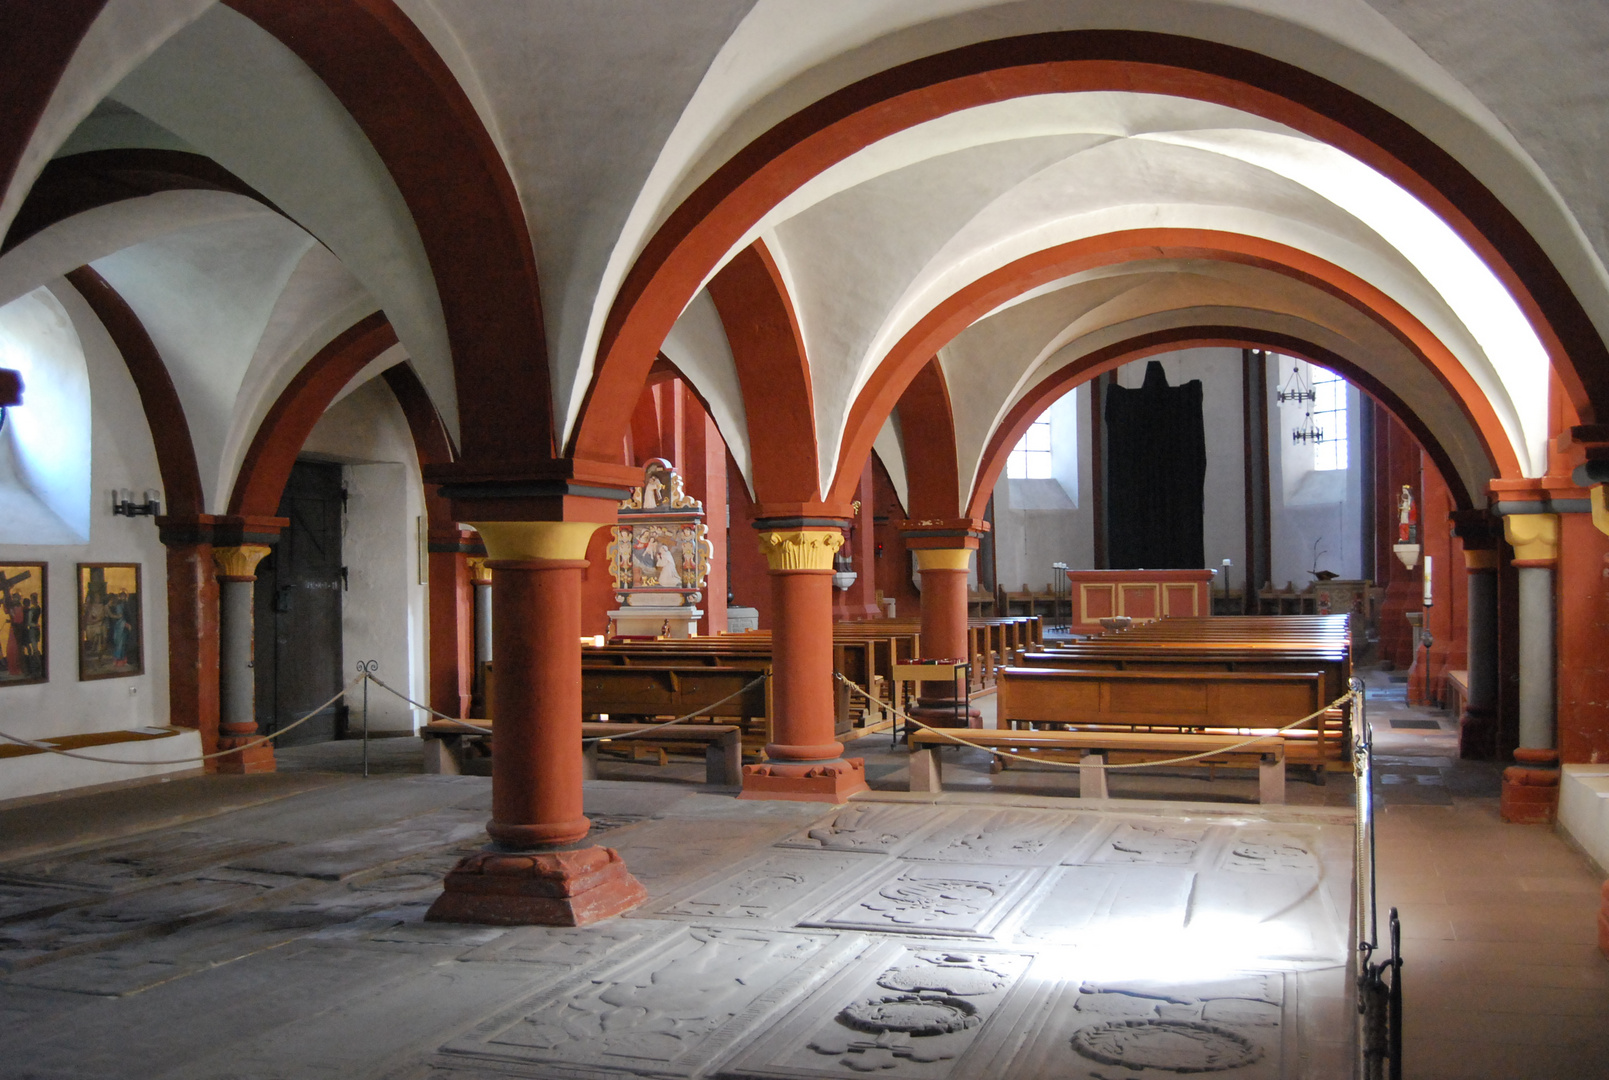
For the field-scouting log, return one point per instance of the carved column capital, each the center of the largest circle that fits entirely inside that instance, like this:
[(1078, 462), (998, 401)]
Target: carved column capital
[(535, 541), (478, 573), (943, 558), (1534, 537), (239, 562), (800, 549)]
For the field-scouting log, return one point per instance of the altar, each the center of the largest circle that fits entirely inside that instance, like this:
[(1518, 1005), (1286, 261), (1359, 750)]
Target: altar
[(659, 558), (1137, 594)]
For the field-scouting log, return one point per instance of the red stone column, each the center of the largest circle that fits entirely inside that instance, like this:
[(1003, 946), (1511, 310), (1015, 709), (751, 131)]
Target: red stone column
[(536, 746), (452, 613), (944, 559), (193, 642), (806, 759), (237, 691)]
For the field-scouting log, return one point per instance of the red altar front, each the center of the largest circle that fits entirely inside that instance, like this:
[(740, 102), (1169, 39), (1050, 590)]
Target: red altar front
[(1139, 594)]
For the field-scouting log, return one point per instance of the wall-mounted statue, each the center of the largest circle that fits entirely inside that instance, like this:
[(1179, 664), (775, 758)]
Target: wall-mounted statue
[(659, 557)]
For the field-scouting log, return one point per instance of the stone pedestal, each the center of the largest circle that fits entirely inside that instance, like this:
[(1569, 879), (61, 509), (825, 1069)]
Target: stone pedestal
[(740, 620), (537, 762), (563, 888), (647, 620), (1531, 788), (237, 681), (806, 759)]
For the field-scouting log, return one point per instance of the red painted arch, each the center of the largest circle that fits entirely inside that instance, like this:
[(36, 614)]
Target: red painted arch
[(1053, 386), (977, 299), (273, 450), (699, 233), (164, 412), (927, 430), (463, 202), (37, 43), (774, 376), (431, 441)]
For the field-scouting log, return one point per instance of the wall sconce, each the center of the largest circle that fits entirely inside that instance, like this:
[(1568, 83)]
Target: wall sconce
[(123, 504)]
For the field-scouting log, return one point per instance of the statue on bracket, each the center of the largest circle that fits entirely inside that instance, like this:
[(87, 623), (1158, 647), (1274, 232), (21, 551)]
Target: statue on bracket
[(659, 557)]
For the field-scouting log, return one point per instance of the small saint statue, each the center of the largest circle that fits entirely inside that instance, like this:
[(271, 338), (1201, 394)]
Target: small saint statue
[(1407, 517)]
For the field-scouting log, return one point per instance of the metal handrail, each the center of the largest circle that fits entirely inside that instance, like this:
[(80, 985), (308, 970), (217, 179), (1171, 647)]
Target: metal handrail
[(1379, 997)]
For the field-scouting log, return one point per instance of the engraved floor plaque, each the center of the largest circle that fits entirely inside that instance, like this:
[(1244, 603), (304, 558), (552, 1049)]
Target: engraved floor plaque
[(668, 1011), (1004, 837), (1077, 900), (903, 1011), (878, 827), (1271, 851), (775, 890), (1154, 843), (132, 863), (1233, 1027), (931, 898)]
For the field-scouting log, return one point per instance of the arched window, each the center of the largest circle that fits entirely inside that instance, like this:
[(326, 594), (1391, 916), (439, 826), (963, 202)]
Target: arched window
[(45, 444), (1031, 458)]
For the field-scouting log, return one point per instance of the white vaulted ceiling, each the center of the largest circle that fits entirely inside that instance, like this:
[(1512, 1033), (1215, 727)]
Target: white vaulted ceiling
[(608, 115)]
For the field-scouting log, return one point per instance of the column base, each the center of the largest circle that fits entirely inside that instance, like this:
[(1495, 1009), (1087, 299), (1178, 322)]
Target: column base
[(1531, 794), (559, 888), (255, 759), (1477, 735), (938, 712), (822, 781)]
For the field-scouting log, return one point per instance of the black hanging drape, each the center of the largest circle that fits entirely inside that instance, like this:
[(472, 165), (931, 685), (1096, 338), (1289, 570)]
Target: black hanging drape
[(1156, 469)]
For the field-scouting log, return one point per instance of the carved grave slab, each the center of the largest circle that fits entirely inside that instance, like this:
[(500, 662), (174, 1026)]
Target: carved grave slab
[(669, 1010), (1156, 842), (353, 853), (882, 828), (902, 1011), (1076, 900), (949, 899), (1004, 837), (775, 890), (1240, 1027), (133, 863)]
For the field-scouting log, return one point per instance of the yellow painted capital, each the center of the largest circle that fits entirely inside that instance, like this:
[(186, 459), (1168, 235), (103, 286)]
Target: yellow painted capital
[(240, 562), (1533, 536), (528, 541), (1480, 560), (477, 570), (800, 549), (1600, 513), (943, 558)]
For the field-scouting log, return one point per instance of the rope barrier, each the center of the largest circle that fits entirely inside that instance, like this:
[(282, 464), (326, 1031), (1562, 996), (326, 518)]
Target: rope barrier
[(47, 748), (596, 738), (946, 732)]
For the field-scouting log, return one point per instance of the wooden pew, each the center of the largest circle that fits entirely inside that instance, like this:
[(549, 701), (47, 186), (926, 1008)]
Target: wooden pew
[(446, 742), (1202, 702), (1092, 749)]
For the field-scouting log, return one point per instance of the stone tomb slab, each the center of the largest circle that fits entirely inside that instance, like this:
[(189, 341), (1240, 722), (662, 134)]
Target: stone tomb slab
[(1007, 837), (776, 889), (946, 899), (668, 1010), (879, 828), (344, 856), (1233, 1027), (1078, 901), (902, 1010), (133, 863), (1155, 842)]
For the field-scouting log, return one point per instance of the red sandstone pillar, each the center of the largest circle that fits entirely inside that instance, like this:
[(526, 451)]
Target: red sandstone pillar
[(536, 746), (451, 617), (944, 559), (193, 642), (806, 759), (237, 577)]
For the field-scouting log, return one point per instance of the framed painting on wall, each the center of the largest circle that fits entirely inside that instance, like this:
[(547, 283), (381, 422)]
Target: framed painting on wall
[(24, 612), (111, 633)]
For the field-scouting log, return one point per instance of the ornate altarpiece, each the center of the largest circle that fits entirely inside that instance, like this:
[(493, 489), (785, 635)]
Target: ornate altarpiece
[(659, 557)]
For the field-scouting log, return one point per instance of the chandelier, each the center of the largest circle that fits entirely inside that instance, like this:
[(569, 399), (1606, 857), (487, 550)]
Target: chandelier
[(1298, 389)]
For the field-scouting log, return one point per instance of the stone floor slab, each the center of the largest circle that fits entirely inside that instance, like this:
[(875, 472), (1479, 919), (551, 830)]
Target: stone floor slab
[(950, 899), (1004, 837), (881, 828), (343, 856), (776, 889)]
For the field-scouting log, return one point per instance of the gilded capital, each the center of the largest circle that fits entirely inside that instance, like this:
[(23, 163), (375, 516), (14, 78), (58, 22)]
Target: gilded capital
[(478, 573), (800, 549), (533, 541), (239, 563), (943, 558), (1600, 512), (1534, 537)]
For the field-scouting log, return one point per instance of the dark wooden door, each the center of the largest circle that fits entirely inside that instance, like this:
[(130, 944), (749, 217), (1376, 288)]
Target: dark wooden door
[(298, 600)]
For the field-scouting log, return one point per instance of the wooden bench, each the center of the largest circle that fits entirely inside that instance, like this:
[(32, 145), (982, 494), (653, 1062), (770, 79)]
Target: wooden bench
[(445, 742), (1092, 749)]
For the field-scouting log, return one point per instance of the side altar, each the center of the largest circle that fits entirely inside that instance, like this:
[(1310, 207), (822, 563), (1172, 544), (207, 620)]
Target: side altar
[(659, 557)]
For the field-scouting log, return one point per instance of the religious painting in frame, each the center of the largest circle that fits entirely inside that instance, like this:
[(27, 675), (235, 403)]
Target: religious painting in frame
[(24, 624), (111, 624)]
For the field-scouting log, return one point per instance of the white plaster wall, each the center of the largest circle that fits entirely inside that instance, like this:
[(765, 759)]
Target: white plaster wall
[(45, 446), (1040, 522), (121, 456), (384, 610), (1307, 507)]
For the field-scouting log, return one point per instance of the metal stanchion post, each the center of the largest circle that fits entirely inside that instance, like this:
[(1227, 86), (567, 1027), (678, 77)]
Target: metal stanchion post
[(367, 668)]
